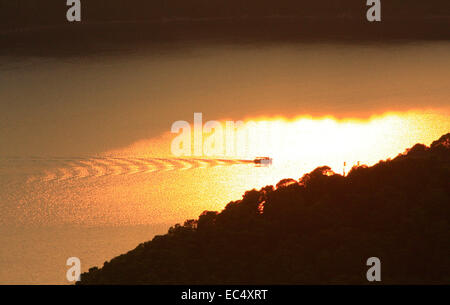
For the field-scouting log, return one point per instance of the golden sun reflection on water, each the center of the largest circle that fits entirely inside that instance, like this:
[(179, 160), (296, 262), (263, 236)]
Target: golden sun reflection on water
[(297, 147), (122, 189), (163, 198), (312, 141), (98, 206), (331, 141)]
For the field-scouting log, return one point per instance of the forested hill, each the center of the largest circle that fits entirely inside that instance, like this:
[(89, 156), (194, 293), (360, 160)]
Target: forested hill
[(317, 230)]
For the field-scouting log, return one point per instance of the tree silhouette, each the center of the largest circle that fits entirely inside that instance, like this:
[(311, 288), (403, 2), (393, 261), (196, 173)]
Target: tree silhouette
[(318, 230)]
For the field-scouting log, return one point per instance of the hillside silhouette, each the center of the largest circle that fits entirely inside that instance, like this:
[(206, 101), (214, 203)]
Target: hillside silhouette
[(319, 229)]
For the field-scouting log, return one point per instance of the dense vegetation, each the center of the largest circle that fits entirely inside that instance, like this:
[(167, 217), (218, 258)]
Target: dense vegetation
[(320, 229)]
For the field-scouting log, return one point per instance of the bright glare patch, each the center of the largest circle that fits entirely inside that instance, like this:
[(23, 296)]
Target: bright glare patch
[(320, 141), (329, 141)]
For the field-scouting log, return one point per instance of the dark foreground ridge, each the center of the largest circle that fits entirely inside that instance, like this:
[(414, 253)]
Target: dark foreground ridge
[(318, 230)]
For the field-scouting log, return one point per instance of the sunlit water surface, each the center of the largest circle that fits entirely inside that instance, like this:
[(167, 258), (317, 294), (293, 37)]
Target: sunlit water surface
[(72, 183)]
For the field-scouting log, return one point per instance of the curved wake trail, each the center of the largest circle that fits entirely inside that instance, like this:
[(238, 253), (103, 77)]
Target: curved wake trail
[(67, 169)]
